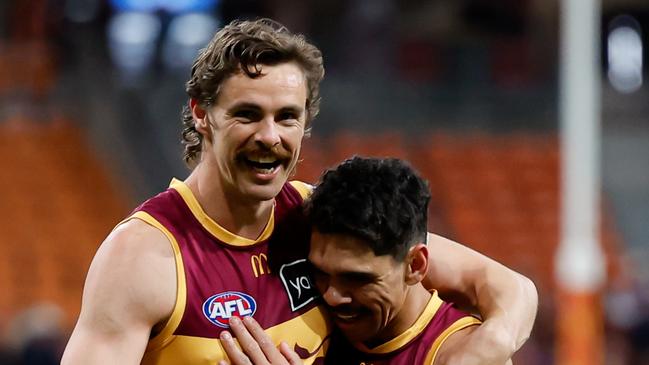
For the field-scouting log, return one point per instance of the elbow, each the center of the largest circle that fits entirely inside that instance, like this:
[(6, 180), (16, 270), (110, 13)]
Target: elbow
[(531, 296), (530, 293)]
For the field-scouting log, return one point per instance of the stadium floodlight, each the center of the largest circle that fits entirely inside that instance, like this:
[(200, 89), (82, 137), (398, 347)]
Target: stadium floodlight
[(624, 54), (170, 6), (132, 39), (187, 34)]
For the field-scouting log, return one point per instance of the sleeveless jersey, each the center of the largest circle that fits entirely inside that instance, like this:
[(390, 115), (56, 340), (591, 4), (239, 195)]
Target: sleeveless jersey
[(220, 275), (418, 345)]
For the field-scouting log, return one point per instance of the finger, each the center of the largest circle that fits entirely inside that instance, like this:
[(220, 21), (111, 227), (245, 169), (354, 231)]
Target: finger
[(289, 354), (264, 341), (223, 362), (248, 343), (232, 350)]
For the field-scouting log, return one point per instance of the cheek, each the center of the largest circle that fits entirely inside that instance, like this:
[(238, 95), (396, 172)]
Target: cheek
[(386, 299), (378, 299), (240, 135), (224, 149), (237, 134), (293, 139)]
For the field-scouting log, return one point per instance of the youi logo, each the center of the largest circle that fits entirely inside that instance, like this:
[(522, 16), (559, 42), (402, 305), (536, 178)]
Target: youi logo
[(220, 307)]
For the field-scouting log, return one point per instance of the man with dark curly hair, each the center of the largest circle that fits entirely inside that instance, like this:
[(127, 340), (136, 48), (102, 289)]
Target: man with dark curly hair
[(369, 257), (164, 285)]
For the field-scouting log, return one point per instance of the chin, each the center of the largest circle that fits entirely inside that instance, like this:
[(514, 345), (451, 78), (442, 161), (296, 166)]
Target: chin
[(355, 332), (356, 336), (263, 192)]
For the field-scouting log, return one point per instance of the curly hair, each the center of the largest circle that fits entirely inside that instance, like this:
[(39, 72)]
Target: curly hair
[(244, 46), (381, 201)]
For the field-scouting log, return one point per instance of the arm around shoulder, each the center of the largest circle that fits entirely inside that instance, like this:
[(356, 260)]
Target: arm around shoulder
[(130, 287), (506, 300)]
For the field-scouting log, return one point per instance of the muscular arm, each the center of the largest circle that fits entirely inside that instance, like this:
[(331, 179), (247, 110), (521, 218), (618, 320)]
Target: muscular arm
[(130, 288), (455, 344), (506, 300)]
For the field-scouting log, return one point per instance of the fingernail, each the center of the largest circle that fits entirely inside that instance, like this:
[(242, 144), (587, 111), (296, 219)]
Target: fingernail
[(283, 345), (248, 319), (235, 320), (225, 335)]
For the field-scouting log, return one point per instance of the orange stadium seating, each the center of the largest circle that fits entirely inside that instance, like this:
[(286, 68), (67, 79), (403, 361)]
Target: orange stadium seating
[(58, 203)]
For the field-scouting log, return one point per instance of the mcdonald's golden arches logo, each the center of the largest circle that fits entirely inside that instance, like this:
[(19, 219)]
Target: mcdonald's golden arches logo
[(259, 264)]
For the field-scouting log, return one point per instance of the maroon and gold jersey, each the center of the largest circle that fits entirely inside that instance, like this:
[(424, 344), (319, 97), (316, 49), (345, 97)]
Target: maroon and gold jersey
[(220, 275), (418, 345)]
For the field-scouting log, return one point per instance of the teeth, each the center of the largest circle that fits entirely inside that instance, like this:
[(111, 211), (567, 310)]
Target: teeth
[(266, 159), (346, 317), (265, 171)]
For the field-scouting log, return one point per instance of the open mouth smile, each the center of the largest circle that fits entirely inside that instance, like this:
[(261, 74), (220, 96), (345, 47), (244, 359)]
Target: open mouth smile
[(345, 316), (262, 164)]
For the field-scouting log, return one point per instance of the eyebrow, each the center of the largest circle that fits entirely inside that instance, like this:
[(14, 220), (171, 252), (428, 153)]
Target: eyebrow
[(252, 106), (292, 109), (244, 105)]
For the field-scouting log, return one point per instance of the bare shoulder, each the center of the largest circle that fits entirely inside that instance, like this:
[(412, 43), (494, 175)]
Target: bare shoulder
[(130, 288), (133, 274), (135, 239)]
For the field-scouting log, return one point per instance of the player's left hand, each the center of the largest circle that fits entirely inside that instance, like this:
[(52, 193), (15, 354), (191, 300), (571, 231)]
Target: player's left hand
[(256, 346), (486, 345)]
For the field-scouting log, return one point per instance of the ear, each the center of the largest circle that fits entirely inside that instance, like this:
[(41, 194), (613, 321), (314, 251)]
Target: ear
[(200, 121), (417, 260)]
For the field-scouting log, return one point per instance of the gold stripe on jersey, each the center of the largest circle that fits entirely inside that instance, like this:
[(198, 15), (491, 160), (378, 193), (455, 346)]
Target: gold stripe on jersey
[(166, 334), (460, 324), (200, 350), (214, 228), (408, 335), (303, 188)]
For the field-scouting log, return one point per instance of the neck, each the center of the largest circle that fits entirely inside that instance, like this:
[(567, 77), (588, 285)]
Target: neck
[(240, 215), (413, 306)]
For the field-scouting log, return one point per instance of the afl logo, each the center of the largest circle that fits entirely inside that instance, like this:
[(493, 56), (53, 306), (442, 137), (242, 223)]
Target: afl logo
[(220, 307)]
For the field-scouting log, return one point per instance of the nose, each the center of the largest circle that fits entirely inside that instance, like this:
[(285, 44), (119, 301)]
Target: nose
[(267, 133), (335, 297)]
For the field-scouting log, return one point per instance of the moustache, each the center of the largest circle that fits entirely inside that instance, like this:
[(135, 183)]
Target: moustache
[(278, 151)]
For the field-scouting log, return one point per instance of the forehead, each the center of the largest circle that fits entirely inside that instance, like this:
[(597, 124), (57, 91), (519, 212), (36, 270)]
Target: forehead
[(340, 252), (283, 83)]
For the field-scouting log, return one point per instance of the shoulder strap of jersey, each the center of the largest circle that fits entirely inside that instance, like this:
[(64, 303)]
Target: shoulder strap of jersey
[(303, 188), (458, 325)]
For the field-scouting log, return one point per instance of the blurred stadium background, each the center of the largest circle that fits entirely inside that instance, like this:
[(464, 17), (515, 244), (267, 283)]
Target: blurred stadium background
[(467, 90)]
